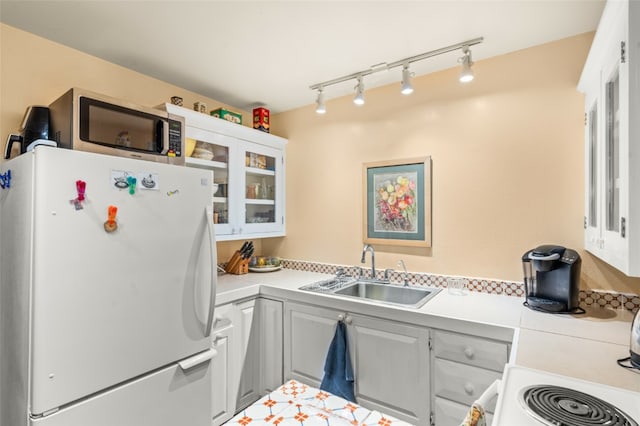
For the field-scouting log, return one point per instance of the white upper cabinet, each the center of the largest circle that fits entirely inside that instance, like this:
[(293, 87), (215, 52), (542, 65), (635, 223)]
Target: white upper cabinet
[(611, 84), (248, 167)]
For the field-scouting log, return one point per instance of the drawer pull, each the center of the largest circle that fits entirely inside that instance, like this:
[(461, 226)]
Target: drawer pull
[(468, 389), (468, 352), (220, 322)]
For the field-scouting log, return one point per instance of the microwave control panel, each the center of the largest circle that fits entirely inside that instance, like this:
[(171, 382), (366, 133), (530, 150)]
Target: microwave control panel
[(175, 138)]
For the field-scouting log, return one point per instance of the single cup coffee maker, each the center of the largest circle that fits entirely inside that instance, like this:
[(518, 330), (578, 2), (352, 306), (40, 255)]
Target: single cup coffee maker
[(552, 279)]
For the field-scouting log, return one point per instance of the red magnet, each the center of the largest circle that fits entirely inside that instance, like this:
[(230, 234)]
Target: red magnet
[(81, 186), (111, 225)]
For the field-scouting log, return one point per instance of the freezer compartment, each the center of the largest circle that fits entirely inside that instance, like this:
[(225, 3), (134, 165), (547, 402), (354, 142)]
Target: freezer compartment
[(168, 397)]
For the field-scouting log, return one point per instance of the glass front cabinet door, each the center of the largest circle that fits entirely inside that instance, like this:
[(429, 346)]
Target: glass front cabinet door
[(224, 209), (611, 87), (263, 201), (248, 174)]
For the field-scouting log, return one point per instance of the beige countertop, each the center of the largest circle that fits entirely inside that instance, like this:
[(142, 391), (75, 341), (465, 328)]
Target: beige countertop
[(582, 346)]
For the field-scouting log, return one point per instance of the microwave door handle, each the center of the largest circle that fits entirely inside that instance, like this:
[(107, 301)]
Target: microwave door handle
[(163, 137)]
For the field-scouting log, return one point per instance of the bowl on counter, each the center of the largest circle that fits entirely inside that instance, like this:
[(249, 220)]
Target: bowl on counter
[(264, 263)]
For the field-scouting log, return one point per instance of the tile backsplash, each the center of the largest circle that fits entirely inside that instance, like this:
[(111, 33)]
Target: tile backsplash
[(587, 297)]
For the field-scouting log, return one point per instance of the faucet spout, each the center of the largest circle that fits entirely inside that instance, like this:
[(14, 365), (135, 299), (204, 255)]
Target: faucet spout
[(369, 248), (406, 280)]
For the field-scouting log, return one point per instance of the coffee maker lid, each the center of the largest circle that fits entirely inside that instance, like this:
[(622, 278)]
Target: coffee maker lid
[(547, 250), (546, 253)]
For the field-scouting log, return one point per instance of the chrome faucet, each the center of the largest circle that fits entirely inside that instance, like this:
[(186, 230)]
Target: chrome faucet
[(365, 249), (406, 279)]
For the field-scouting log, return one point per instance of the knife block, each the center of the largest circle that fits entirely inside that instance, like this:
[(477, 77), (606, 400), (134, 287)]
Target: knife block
[(237, 265)]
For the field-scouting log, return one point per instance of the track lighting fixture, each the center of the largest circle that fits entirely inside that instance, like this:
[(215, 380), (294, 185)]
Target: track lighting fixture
[(407, 88), (359, 98), (320, 107), (465, 76)]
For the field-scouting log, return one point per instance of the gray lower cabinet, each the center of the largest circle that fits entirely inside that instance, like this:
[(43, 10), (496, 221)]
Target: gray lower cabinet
[(271, 317), (420, 375), (451, 413), (463, 366), (247, 337), (392, 367), (260, 330), (390, 359), (308, 331), (223, 369)]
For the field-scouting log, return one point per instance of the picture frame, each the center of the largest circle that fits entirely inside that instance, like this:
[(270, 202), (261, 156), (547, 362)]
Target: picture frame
[(397, 202)]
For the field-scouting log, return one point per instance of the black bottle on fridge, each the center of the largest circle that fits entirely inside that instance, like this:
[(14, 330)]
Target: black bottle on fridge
[(552, 279)]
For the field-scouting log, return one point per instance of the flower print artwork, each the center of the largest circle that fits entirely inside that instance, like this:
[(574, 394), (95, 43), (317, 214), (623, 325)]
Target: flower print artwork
[(395, 202)]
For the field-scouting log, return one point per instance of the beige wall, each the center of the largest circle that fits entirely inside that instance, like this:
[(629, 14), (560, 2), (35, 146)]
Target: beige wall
[(35, 71), (507, 156)]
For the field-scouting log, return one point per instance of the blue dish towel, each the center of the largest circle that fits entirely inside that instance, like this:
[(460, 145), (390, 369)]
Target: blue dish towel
[(338, 373)]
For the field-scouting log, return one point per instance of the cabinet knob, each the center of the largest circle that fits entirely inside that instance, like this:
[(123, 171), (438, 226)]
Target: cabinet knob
[(468, 352), (348, 319), (469, 389), (340, 317)]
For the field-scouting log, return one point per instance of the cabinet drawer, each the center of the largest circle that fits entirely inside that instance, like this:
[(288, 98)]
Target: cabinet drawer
[(449, 413), (471, 350), (462, 383)]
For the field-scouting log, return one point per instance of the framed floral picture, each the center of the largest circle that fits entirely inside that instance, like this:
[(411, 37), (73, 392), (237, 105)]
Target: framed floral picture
[(397, 202)]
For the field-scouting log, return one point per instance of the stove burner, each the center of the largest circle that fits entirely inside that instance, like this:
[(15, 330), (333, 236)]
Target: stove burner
[(573, 407), (558, 406)]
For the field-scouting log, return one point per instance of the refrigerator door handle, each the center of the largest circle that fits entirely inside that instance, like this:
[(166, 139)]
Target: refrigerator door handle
[(198, 359), (214, 270)]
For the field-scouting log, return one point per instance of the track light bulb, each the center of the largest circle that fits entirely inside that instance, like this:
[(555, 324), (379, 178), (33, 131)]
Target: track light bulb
[(407, 88), (359, 98), (320, 107), (466, 75)]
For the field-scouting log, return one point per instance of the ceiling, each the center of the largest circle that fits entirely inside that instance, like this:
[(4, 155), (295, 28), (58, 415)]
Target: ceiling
[(249, 53)]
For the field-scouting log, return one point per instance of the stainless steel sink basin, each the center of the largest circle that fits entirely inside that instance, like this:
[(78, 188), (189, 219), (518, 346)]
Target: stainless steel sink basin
[(388, 293)]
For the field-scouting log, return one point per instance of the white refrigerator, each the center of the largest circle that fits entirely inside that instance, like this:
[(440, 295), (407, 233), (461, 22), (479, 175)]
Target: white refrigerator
[(105, 321)]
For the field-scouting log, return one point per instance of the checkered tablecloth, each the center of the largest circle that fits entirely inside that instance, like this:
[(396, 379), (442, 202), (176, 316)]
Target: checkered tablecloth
[(297, 404)]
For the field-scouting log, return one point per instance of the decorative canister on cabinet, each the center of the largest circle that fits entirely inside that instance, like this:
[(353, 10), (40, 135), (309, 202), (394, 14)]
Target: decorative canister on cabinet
[(261, 119)]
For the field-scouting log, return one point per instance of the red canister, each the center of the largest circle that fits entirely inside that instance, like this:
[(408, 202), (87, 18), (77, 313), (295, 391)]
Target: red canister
[(261, 119)]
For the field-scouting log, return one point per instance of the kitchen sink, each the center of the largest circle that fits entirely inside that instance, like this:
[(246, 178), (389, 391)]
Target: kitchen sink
[(413, 297)]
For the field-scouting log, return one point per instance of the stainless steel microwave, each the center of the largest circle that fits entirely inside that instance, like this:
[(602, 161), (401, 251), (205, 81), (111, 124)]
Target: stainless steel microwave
[(86, 121)]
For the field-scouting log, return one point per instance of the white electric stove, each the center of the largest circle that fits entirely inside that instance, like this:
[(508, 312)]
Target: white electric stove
[(533, 397)]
